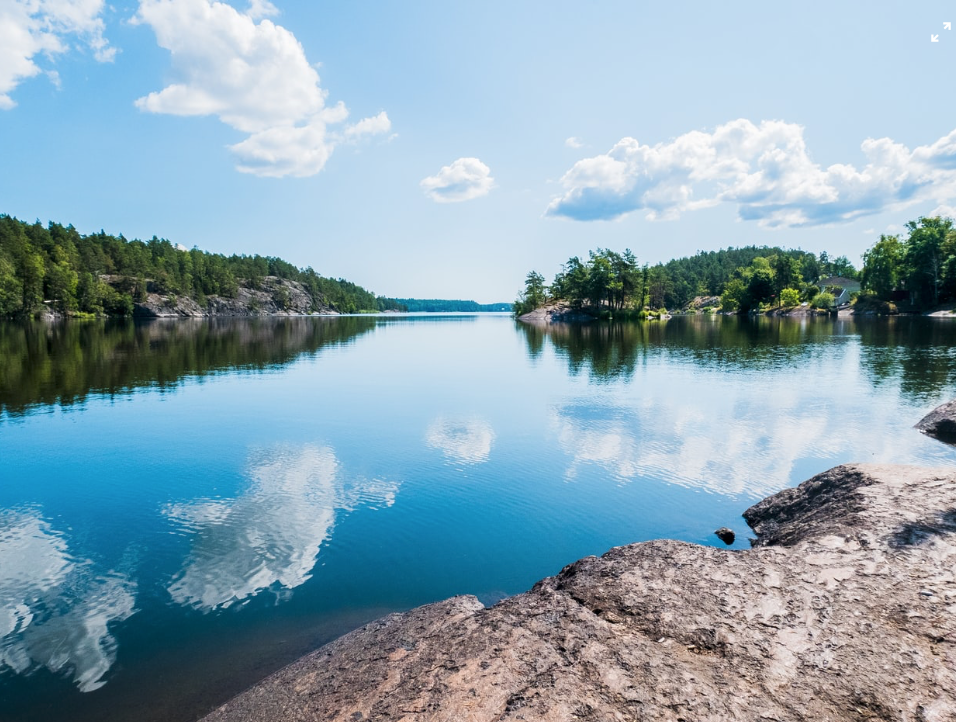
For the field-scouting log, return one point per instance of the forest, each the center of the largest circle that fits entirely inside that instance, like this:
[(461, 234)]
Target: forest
[(918, 269), (611, 282), (916, 272), (58, 268)]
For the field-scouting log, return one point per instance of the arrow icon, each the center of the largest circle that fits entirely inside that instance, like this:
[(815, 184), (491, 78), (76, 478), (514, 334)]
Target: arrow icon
[(947, 26), (934, 38)]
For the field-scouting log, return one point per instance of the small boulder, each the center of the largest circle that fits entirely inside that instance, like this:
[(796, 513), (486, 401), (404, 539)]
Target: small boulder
[(940, 423), (726, 535)]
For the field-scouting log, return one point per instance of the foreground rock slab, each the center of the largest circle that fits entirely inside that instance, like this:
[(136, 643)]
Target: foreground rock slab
[(845, 609)]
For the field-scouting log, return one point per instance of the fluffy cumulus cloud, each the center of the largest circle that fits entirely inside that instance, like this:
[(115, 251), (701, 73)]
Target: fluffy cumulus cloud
[(31, 28), (254, 76), (765, 170), (463, 180)]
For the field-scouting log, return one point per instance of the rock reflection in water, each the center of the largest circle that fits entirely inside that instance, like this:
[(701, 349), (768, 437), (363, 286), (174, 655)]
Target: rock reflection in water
[(55, 611), (270, 536)]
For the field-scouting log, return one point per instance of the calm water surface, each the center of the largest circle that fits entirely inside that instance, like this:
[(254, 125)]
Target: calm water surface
[(186, 506)]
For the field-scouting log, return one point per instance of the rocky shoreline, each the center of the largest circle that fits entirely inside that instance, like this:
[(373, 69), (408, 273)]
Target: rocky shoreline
[(273, 297), (843, 609), (563, 313)]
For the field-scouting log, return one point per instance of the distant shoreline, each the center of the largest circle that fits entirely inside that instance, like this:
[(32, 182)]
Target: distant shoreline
[(564, 313)]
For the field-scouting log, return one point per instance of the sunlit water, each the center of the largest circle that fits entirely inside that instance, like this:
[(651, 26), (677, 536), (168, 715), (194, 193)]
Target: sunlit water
[(187, 506)]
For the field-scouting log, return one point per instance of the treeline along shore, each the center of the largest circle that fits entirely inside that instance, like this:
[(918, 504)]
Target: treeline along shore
[(915, 272), (55, 270)]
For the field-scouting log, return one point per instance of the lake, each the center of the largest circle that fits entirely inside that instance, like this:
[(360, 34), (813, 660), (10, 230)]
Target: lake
[(186, 506)]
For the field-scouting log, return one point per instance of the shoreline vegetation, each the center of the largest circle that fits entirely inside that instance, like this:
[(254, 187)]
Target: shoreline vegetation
[(911, 274), (55, 272), (838, 610)]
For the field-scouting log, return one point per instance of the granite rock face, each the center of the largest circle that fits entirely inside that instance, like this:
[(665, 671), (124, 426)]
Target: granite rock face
[(555, 313), (273, 297), (844, 609)]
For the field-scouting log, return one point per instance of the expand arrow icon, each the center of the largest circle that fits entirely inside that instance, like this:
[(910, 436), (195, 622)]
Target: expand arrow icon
[(934, 38), (947, 26)]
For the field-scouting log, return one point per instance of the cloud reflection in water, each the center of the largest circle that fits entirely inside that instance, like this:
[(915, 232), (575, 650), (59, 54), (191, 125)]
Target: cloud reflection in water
[(269, 537), (747, 447), (54, 611), (466, 441)]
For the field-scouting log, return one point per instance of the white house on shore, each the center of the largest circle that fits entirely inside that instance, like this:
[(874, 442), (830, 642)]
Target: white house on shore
[(840, 287)]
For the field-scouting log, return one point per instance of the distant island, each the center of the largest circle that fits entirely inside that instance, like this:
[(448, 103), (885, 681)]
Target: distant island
[(54, 271), (916, 274), (438, 305)]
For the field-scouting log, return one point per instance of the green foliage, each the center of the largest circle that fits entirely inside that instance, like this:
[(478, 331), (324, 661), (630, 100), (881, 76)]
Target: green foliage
[(839, 266), (733, 296), (534, 295), (790, 297), (824, 300), (11, 289), (869, 302), (101, 273), (927, 260), (751, 287), (882, 266), (607, 281), (114, 302), (760, 285), (745, 278), (707, 273), (921, 266)]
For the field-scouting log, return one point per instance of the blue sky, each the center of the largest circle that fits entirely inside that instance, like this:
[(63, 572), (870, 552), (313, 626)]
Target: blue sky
[(437, 149)]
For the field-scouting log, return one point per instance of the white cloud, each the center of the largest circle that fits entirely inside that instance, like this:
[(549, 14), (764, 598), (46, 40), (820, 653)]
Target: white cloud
[(369, 126), (29, 28), (55, 611), (463, 180), (573, 142), (466, 441), (270, 536), (946, 211), (765, 169), (254, 76), (261, 9)]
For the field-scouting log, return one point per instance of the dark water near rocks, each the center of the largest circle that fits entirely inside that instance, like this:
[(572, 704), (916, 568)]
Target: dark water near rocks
[(186, 506)]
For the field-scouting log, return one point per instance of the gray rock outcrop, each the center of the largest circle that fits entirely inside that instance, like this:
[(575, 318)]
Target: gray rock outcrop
[(845, 609), (555, 313), (727, 536), (940, 423), (273, 297)]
